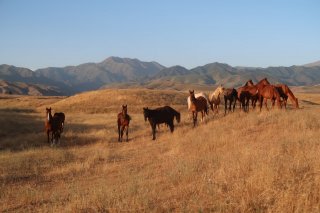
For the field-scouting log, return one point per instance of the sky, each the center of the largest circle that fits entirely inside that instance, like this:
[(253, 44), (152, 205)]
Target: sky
[(257, 33)]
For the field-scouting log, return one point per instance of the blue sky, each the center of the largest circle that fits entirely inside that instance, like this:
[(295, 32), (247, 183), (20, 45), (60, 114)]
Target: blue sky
[(42, 33)]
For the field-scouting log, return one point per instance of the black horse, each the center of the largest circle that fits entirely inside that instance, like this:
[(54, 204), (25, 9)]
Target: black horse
[(231, 96), (160, 115)]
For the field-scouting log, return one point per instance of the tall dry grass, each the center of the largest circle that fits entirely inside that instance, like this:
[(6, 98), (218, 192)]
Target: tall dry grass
[(243, 162)]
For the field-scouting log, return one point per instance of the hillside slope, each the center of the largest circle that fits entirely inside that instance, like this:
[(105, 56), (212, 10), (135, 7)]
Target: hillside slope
[(242, 162), (19, 88)]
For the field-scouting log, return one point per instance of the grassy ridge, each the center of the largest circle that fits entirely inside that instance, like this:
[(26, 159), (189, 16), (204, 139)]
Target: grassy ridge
[(243, 162)]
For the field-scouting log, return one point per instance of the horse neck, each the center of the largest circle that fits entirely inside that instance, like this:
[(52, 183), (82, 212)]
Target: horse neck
[(215, 97), (49, 116), (124, 112), (293, 99), (193, 99)]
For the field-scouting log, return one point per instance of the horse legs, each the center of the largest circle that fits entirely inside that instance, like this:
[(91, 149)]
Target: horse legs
[(225, 105), (194, 116), (122, 131), (118, 133), (153, 131), (48, 136), (285, 102), (52, 136), (273, 101), (202, 115), (246, 100), (261, 102), (127, 132), (234, 104), (266, 104), (171, 125)]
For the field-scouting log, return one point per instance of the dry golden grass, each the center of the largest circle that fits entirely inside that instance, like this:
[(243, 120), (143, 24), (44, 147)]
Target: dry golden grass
[(243, 162)]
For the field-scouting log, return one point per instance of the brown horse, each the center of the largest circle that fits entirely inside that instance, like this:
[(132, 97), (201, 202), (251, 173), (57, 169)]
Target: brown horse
[(285, 92), (197, 105), (53, 125), (254, 94), (230, 95), (246, 93), (268, 91), (123, 123)]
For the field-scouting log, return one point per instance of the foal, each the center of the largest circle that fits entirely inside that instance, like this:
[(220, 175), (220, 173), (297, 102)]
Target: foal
[(123, 123)]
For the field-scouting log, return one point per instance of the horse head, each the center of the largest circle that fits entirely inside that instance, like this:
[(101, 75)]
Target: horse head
[(220, 89), (48, 113), (124, 109), (191, 94), (145, 113)]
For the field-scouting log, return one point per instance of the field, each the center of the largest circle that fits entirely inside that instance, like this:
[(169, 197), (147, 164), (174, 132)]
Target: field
[(242, 162)]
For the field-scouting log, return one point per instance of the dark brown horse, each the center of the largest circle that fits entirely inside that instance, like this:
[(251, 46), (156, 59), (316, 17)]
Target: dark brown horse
[(268, 91), (230, 95), (123, 123), (53, 125), (62, 118), (161, 115), (197, 105), (285, 92)]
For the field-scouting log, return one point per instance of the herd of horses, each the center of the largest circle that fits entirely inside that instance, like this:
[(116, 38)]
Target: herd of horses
[(197, 102)]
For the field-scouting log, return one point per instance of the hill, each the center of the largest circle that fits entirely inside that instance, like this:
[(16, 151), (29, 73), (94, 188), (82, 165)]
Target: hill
[(218, 73), (115, 72), (19, 88), (91, 76), (242, 162)]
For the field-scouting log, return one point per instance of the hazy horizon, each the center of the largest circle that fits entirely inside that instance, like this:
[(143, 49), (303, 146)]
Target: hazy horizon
[(39, 34)]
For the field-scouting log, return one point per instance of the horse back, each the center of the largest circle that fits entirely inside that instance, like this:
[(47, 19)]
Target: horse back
[(60, 115)]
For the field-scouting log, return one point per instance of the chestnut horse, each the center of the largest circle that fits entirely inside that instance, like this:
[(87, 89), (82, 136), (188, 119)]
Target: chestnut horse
[(161, 115), (197, 105), (285, 92), (123, 123), (268, 91), (254, 97), (53, 125), (246, 93), (230, 95), (214, 99)]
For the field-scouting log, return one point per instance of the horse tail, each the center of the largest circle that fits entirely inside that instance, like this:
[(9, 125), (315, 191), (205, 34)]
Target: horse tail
[(293, 99), (206, 109), (177, 115)]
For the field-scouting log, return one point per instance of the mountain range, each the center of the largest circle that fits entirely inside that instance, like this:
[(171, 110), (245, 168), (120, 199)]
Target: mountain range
[(115, 71)]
